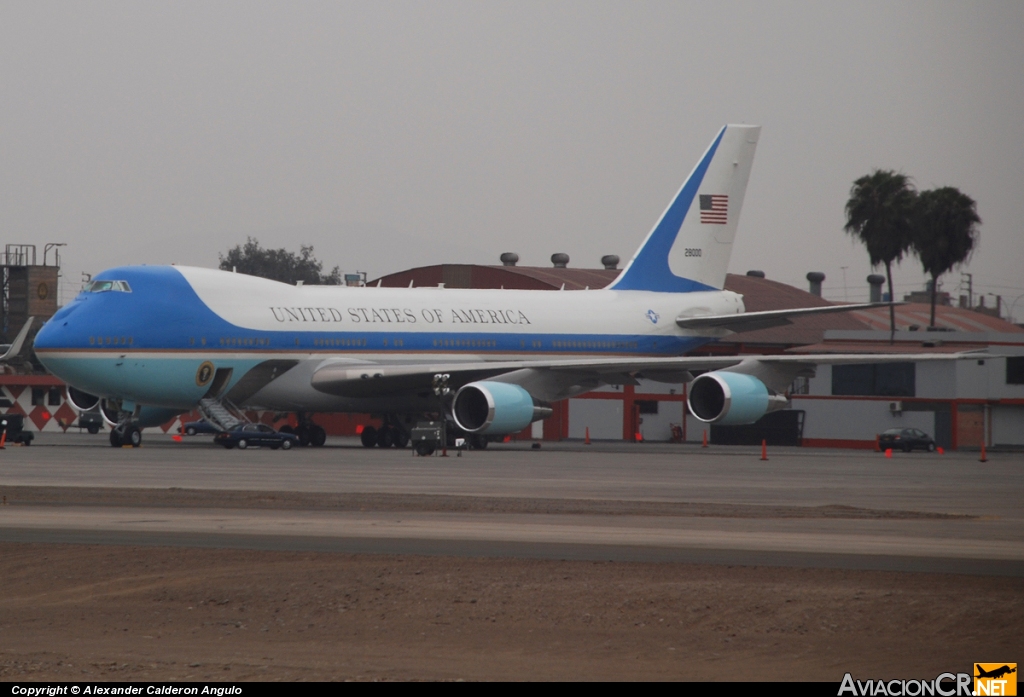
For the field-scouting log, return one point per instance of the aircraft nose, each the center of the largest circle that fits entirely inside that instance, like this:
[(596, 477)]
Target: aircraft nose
[(56, 333), (47, 336)]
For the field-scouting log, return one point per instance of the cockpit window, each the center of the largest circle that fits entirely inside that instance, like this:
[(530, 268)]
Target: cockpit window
[(104, 286)]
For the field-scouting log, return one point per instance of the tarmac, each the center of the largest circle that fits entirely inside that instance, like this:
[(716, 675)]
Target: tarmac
[(815, 508)]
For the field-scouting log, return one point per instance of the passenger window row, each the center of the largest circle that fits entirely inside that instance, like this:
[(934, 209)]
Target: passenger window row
[(110, 340)]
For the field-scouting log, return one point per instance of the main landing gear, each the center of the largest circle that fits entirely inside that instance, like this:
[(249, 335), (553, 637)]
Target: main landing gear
[(391, 434), (307, 431)]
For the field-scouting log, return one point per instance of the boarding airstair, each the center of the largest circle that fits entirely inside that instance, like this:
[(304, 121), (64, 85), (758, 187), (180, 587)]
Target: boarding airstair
[(221, 414)]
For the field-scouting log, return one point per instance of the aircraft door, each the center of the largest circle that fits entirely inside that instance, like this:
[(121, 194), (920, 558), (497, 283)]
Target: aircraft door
[(221, 379)]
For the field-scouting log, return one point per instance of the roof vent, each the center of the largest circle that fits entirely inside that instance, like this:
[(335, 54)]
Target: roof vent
[(755, 273), (815, 278), (560, 260), (610, 261), (875, 281), (509, 259)]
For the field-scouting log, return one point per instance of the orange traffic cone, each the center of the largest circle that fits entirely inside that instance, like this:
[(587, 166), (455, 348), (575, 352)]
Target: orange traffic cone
[(705, 439), (983, 458), (638, 437), (586, 437), (764, 450), (888, 452), (3, 439)]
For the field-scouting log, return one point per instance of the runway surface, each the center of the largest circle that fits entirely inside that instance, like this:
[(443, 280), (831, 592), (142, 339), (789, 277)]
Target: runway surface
[(649, 502)]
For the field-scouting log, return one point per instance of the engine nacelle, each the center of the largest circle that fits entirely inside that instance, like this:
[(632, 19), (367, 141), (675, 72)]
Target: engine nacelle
[(495, 407), (81, 401), (731, 399)]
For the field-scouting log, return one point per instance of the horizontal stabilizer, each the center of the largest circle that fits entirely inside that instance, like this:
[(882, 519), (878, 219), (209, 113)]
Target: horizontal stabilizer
[(748, 321)]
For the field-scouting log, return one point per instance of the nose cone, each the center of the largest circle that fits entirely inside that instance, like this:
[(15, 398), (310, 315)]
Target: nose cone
[(48, 337), (57, 332)]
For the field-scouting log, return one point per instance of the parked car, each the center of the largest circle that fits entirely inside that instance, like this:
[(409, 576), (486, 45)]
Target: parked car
[(248, 435), (905, 439), (202, 426)]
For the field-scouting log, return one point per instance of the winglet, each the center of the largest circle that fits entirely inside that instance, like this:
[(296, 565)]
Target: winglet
[(19, 341), (689, 247)]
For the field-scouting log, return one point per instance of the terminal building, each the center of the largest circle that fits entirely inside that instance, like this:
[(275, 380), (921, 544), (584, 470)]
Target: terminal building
[(961, 403)]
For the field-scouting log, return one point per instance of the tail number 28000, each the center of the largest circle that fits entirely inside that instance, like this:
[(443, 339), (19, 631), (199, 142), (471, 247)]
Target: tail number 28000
[(692, 252)]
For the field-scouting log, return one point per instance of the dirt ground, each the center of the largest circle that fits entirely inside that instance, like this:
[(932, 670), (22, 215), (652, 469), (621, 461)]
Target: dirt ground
[(79, 612)]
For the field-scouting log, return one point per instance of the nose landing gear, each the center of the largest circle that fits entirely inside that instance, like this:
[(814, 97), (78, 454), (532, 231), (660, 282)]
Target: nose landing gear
[(125, 434)]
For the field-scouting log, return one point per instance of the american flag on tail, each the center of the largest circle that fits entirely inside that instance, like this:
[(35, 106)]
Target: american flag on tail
[(714, 209)]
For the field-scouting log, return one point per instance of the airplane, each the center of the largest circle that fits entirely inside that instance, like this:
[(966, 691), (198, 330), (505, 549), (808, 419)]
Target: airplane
[(145, 343), (995, 673)]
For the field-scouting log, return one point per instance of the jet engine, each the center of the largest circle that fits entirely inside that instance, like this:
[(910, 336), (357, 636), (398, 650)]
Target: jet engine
[(731, 399), (495, 408), (81, 401)]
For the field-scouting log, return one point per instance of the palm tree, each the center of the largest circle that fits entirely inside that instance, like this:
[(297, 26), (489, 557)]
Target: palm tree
[(879, 215), (945, 232)]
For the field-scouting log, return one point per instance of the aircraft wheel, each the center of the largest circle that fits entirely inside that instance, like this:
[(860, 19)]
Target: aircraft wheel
[(423, 449), (401, 439), (115, 438), (317, 436), (368, 437), (303, 433), (385, 438), (242, 444), (94, 429), (287, 445), (477, 442), (132, 436)]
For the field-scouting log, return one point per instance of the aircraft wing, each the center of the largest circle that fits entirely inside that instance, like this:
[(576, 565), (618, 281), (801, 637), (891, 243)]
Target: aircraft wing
[(374, 379), (748, 321), (19, 341)]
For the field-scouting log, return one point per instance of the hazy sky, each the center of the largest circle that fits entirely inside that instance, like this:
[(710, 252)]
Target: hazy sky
[(398, 134)]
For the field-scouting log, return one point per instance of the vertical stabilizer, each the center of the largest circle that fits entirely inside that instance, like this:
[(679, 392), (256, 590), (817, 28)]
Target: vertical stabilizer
[(689, 248)]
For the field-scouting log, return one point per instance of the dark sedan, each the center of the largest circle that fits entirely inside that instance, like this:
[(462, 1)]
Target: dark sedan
[(201, 426), (253, 435), (905, 439)]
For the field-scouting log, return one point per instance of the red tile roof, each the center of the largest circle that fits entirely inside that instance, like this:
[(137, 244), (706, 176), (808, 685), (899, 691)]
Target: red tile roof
[(947, 316)]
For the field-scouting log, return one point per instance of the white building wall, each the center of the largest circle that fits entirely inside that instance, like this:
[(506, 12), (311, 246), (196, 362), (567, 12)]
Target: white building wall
[(857, 419), (658, 427), (1007, 425), (821, 383), (936, 379), (602, 416)]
